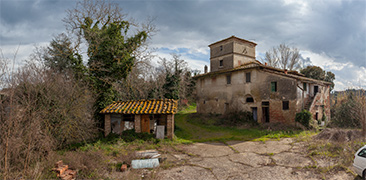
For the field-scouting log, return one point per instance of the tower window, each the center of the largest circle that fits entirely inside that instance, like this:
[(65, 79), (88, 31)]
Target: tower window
[(221, 63), (221, 48)]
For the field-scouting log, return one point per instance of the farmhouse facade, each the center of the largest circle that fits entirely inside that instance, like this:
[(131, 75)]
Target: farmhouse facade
[(142, 115), (238, 82)]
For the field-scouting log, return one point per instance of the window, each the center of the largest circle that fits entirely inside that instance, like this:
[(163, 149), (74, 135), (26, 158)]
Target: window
[(265, 103), (221, 48), (247, 75), (304, 86), (362, 153), (250, 99), (274, 86), (285, 105), (228, 79), (221, 63)]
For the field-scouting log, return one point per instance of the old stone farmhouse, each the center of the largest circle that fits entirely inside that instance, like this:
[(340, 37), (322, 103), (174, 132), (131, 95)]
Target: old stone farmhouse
[(238, 82), (142, 115)]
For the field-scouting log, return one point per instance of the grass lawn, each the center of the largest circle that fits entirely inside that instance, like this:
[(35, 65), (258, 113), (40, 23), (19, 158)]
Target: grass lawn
[(188, 127)]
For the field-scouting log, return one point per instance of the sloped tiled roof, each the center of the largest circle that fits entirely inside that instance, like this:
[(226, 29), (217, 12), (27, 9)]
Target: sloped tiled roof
[(164, 106), (269, 69)]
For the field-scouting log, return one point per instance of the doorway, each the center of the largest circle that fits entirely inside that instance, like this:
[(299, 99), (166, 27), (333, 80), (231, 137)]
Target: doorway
[(254, 111), (316, 89), (265, 111), (145, 123), (265, 114)]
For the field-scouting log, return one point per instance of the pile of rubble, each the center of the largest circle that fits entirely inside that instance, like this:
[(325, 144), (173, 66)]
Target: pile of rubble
[(63, 171)]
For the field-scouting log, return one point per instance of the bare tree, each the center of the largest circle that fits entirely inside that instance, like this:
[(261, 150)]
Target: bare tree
[(283, 57), (101, 12), (40, 111)]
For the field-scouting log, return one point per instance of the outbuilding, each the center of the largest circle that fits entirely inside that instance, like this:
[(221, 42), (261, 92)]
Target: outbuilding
[(150, 116)]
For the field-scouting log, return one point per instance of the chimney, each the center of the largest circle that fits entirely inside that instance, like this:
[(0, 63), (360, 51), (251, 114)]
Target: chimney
[(285, 71), (206, 69), (265, 63)]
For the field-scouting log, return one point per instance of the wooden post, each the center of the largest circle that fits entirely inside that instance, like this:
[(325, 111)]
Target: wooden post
[(138, 123)]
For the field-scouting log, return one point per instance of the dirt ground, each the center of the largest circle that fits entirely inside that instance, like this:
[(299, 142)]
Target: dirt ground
[(284, 159)]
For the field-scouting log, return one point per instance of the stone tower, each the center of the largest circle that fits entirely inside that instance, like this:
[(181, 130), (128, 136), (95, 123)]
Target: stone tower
[(230, 53)]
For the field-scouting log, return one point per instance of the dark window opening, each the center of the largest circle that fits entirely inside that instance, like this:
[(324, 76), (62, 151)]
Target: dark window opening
[(228, 79), (247, 75), (316, 89), (274, 86), (204, 102), (221, 48), (221, 63), (316, 116), (128, 117), (304, 86), (265, 103), (250, 99), (285, 105)]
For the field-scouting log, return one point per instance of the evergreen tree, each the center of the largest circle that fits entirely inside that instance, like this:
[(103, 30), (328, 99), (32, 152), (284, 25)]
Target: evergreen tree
[(61, 57)]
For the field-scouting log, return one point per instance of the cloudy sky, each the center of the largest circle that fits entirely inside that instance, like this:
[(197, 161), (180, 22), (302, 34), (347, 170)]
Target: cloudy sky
[(331, 33)]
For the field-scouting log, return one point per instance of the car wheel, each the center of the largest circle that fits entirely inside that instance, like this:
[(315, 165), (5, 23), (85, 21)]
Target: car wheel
[(364, 174)]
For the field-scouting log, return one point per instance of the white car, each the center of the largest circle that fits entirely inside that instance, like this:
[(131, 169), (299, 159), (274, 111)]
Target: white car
[(359, 163)]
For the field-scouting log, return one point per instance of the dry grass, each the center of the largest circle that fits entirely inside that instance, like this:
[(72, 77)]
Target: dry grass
[(333, 150)]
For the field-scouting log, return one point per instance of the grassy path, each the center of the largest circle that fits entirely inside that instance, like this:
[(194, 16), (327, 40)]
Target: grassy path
[(189, 129)]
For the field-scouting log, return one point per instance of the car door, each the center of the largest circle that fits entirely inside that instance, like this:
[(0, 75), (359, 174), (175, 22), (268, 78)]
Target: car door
[(360, 159)]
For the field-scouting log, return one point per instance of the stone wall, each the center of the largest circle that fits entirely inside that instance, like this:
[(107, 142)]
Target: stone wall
[(215, 96), (321, 103), (232, 52)]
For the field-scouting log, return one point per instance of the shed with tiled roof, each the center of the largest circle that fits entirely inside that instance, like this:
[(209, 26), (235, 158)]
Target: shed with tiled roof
[(142, 115)]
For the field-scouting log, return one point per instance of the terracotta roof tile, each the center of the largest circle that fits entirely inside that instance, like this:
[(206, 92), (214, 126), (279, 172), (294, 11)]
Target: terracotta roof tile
[(269, 69), (165, 106)]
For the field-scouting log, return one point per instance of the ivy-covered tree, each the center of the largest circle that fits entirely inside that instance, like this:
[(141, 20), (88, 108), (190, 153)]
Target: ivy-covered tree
[(110, 56), (110, 44)]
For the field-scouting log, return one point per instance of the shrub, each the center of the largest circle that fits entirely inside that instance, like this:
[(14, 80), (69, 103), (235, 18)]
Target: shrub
[(131, 135), (239, 118), (303, 118), (343, 115)]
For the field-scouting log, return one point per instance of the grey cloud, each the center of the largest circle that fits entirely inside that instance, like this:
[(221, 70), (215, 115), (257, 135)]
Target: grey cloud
[(29, 22), (335, 28)]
